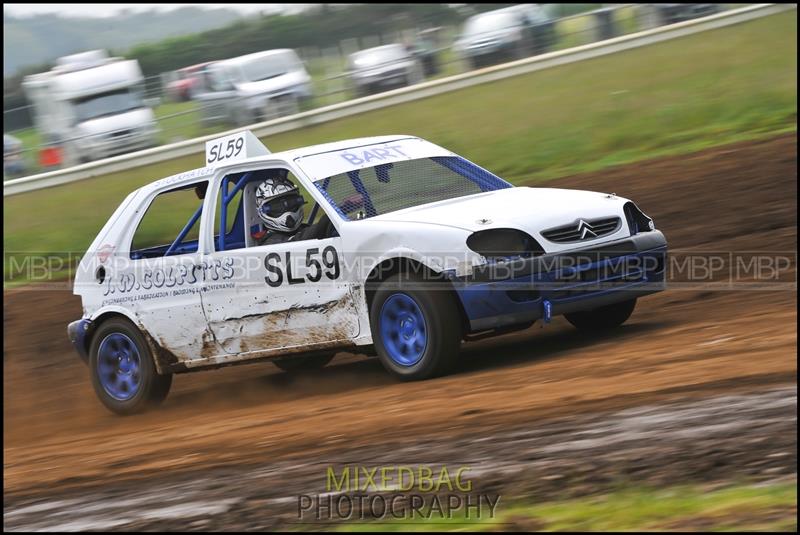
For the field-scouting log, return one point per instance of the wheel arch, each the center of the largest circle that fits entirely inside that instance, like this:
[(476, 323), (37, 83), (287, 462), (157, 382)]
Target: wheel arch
[(98, 318), (407, 264), (162, 363)]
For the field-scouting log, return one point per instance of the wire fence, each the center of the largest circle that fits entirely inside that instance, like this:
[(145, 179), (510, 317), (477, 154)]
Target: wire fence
[(435, 52)]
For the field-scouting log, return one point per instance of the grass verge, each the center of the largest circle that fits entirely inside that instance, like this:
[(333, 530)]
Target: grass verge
[(684, 508)]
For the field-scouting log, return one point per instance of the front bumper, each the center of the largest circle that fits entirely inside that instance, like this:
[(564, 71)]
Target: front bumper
[(520, 291), (489, 48), (384, 78), (109, 146), (78, 333)]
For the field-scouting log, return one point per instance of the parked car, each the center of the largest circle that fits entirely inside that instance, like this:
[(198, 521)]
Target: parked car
[(187, 81), (13, 161), (408, 250), (252, 88), (672, 13), (383, 67), (506, 34)]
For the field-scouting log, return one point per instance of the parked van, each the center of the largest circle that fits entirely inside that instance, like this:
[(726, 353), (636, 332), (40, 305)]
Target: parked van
[(383, 67), (253, 88), (91, 107), (506, 34)]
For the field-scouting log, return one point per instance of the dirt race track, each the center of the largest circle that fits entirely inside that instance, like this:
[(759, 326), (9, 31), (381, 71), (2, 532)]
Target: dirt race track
[(700, 385)]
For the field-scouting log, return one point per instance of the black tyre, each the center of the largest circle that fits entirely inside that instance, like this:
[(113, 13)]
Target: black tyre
[(309, 362), (160, 389), (416, 331), (122, 370), (602, 318)]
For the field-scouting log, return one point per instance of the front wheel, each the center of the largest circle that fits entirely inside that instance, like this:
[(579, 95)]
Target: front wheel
[(416, 330), (122, 370), (602, 318)]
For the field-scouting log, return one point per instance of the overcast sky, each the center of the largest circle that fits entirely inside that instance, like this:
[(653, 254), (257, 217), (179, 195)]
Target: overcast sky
[(107, 10)]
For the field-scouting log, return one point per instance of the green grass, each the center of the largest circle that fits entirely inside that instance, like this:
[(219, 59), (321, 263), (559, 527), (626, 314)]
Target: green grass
[(29, 137), (179, 121), (684, 508), (574, 32), (675, 97), (329, 88)]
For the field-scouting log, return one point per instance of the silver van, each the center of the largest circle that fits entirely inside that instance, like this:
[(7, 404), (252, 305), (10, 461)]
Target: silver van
[(253, 88), (381, 68), (506, 34)]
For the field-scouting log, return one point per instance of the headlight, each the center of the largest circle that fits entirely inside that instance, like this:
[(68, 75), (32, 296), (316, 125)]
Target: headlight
[(637, 220), (500, 243)]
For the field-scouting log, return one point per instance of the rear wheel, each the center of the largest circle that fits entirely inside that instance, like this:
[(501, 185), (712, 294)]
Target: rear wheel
[(310, 362), (122, 369), (602, 318), (416, 331)]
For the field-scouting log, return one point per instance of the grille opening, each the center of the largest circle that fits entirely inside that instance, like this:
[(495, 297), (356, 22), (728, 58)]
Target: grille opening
[(582, 229)]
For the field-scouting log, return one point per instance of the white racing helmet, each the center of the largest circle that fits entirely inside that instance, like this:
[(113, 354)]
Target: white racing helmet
[(279, 204)]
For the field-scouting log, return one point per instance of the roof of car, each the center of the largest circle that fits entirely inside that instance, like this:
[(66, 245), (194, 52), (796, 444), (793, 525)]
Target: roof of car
[(379, 49), (293, 154), (247, 57), (187, 177)]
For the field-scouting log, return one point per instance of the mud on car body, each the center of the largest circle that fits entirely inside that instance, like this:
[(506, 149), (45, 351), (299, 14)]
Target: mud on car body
[(407, 250)]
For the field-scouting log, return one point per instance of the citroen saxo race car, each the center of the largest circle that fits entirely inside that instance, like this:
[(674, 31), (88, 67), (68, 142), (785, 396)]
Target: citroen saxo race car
[(406, 251)]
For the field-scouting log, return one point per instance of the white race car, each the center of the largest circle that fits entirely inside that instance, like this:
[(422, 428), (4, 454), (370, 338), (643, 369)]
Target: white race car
[(407, 250)]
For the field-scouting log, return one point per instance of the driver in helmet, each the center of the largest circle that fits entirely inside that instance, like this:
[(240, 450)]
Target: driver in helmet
[(280, 207)]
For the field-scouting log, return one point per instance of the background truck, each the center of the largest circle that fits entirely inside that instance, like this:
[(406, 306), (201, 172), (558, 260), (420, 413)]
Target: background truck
[(91, 106)]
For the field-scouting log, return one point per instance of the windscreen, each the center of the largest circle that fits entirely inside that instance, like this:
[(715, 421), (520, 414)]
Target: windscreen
[(268, 67), (489, 22), (378, 56), (107, 104), (371, 191)]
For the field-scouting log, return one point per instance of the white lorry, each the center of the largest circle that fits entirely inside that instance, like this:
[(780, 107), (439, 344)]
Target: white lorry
[(91, 106)]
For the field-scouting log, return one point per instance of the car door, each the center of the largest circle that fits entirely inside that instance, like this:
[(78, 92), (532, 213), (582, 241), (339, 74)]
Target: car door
[(161, 282), (287, 296)]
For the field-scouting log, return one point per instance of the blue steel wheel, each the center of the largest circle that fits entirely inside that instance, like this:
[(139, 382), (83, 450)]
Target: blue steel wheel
[(403, 329), (118, 366), (122, 369), (416, 328)]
